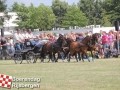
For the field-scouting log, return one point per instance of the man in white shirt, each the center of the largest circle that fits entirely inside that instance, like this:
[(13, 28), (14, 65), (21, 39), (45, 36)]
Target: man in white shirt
[(25, 34), (18, 40), (30, 34), (16, 36)]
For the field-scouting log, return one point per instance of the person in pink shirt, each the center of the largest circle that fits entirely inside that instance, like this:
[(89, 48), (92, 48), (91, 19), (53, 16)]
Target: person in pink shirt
[(104, 38), (111, 39), (105, 43)]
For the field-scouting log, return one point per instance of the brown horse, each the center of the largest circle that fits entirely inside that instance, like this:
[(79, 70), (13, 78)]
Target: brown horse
[(72, 48), (80, 48), (52, 48), (87, 44), (93, 44)]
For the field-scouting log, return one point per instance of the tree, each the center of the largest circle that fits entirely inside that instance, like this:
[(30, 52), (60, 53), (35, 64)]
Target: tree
[(74, 17), (41, 17), (46, 17), (87, 7), (23, 13), (112, 8), (93, 10), (3, 6), (59, 9), (105, 21)]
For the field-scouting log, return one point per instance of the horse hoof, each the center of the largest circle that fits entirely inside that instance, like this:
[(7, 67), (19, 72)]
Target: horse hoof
[(88, 60)]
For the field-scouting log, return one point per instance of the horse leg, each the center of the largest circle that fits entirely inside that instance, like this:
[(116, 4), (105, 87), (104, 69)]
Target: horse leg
[(42, 57), (76, 57), (82, 55), (66, 54), (79, 56), (49, 57), (87, 57), (92, 55), (69, 56), (57, 57), (54, 56)]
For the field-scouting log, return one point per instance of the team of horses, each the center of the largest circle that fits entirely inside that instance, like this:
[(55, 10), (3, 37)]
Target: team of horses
[(66, 48)]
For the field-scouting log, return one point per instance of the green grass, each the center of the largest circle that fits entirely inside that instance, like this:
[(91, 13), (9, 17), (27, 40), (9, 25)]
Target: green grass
[(102, 74)]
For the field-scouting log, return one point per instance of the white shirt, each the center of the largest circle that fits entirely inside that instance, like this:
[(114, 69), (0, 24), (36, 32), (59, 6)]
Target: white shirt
[(30, 35), (19, 37), (16, 35), (10, 41)]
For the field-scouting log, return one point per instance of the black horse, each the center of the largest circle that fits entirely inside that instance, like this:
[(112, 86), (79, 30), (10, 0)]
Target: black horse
[(53, 48)]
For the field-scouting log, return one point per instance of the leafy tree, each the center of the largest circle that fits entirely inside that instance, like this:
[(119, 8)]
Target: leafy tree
[(105, 21), (23, 13), (46, 18), (3, 6), (74, 17), (93, 10), (41, 17), (88, 8), (112, 8), (59, 8)]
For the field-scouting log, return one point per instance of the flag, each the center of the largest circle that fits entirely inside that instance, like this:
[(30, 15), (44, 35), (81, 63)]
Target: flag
[(5, 81)]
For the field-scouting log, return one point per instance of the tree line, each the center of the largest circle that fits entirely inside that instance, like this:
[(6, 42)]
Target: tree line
[(62, 15)]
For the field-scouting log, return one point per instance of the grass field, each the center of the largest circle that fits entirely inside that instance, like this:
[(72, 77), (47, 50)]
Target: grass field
[(102, 74)]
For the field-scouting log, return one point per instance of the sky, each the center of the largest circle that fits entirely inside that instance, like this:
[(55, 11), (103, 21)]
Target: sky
[(36, 2)]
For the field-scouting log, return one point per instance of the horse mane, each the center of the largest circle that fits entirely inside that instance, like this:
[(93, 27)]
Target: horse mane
[(69, 40), (95, 37), (86, 40)]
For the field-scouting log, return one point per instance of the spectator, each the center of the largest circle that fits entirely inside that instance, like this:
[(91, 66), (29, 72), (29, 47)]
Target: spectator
[(11, 46), (4, 47), (111, 39), (105, 44)]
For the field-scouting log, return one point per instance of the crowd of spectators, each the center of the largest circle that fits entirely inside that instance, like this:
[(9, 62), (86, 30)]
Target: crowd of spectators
[(107, 41)]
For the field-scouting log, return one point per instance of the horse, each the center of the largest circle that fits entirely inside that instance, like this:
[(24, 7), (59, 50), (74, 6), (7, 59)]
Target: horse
[(80, 48), (52, 48), (87, 44), (72, 48), (91, 43), (93, 46)]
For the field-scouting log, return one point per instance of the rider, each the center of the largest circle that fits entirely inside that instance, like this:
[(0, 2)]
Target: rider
[(31, 37), (18, 40)]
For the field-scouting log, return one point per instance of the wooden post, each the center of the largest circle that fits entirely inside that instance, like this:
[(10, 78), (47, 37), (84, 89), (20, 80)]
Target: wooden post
[(2, 32), (118, 42), (116, 23)]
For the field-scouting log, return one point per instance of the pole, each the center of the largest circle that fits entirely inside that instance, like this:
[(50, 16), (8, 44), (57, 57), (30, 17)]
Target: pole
[(117, 36), (2, 32), (118, 47)]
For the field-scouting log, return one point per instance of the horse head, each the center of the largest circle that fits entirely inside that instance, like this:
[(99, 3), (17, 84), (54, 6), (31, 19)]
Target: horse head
[(95, 38), (68, 41), (61, 41), (87, 40)]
